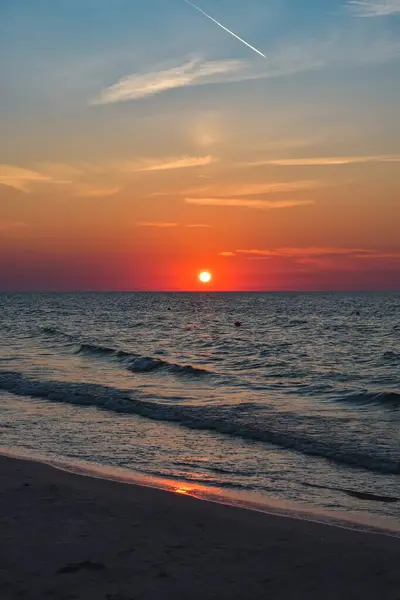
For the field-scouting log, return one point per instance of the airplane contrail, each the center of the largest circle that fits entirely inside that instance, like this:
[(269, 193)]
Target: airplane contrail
[(225, 28)]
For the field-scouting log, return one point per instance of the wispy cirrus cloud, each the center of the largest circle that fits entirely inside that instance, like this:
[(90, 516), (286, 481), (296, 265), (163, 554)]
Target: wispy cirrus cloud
[(273, 187), (314, 253), (168, 225), (339, 50), (308, 251), (78, 181), (192, 72), (20, 178), (91, 180), (240, 190), (327, 161), (248, 195), (372, 8), (169, 163), (248, 203), (158, 224), (247, 189)]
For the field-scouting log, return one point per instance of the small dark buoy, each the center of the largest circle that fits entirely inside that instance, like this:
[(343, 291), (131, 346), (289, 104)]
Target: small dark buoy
[(238, 324), (357, 313)]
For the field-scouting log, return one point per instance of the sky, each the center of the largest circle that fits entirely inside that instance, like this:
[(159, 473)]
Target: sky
[(141, 143)]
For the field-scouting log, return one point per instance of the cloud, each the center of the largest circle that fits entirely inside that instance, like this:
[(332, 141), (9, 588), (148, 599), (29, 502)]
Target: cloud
[(312, 254), (158, 224), (182, 162), (65, 177), (308, 251), (371, 8), (227, 254), (246, 203), (247, 189), (90, 180), (341, 49), (328, 161), (21, 179), (276, 187), (242, 196), (193, 72), (167, 225), (25, 179)]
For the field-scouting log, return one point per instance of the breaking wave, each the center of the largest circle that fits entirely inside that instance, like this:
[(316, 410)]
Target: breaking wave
[(232, 420), (146, 364), (388, 399), (141, 364)]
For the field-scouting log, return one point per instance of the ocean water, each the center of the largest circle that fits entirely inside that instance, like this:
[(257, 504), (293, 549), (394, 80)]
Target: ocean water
[(300, 404)]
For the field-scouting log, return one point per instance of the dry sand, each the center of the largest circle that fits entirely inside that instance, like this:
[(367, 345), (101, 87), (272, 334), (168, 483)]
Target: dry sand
[(67, 536)]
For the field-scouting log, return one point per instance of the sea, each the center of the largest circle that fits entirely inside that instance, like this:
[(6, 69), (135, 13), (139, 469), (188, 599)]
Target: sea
[(287, 400)]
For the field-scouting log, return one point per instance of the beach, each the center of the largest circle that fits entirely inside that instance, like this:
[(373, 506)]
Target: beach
[(68, 536)]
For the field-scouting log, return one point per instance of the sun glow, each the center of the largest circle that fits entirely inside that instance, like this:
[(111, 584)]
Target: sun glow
[(205, 277)]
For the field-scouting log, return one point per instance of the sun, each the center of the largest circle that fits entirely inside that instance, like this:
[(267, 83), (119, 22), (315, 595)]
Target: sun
[(205, 277)]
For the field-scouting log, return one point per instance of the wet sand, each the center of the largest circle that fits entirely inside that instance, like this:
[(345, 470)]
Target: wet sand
[(70, 537)]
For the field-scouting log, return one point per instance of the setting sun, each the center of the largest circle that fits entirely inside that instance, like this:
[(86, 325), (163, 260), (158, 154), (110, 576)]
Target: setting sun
[(205, 277)]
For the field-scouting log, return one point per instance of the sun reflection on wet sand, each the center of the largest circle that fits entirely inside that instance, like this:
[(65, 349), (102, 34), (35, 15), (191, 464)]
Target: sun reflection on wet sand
[(239, 499), (181, 490)]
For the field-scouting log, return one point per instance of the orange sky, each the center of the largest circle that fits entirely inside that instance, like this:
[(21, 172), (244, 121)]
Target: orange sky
[(130, 163)]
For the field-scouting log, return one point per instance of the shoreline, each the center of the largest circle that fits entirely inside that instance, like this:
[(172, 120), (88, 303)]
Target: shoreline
[(251, 501), (72, 537)]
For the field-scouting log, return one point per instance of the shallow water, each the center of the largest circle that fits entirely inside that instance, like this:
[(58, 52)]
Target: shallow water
[(300, 403)]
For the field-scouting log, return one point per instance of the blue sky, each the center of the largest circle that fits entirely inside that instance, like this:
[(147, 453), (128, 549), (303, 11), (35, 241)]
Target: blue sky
[(57, 58)]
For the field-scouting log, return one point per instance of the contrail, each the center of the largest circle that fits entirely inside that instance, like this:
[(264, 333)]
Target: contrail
[(225, 28)]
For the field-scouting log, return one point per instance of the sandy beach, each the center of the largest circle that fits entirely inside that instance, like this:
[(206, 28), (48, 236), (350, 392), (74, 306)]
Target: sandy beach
[(68, 537)]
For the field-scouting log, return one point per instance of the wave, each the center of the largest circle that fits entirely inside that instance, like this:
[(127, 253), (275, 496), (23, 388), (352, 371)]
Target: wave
[(359, 494), (95, 350), (229, 420), (50, 331), (140, 364), (145, 364), (54, 332), (388, 399)]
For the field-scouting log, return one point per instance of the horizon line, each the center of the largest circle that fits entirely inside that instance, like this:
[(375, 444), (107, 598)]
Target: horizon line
[(214, 291)]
